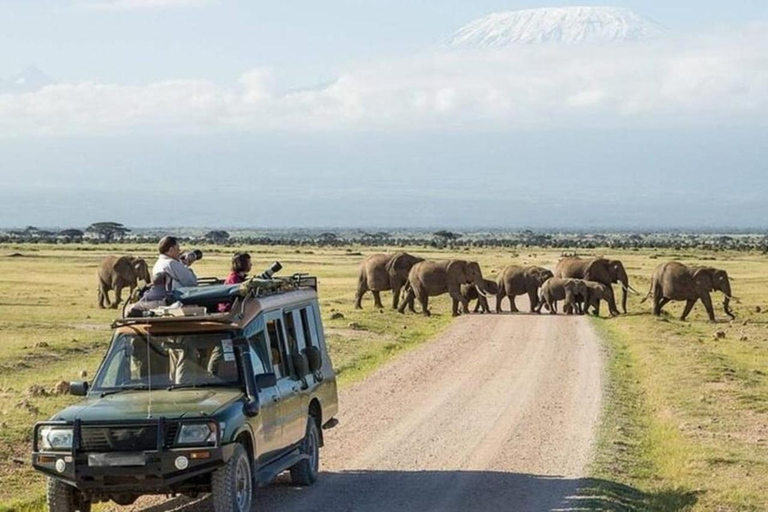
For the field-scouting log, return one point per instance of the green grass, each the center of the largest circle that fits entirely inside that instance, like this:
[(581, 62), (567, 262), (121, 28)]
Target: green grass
[(685, 423)]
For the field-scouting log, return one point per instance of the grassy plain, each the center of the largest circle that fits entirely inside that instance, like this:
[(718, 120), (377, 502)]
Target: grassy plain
[(686, 418)]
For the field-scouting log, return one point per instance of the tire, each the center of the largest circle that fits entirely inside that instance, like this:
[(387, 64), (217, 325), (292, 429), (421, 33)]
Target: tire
[(65, 498), (233, 484), (305, 472)]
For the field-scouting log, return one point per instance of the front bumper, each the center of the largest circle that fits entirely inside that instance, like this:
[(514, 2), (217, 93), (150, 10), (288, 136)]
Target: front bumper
[(158, 474), (155, 471)]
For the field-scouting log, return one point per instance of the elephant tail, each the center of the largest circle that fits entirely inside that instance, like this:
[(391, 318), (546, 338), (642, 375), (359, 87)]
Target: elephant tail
[(650, 291)]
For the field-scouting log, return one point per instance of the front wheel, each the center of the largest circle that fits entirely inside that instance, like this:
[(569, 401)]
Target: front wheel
[(65, 498), (305, 472), (233, 484)]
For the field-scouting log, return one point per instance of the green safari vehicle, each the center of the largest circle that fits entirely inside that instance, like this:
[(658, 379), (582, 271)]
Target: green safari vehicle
[(194, 401)]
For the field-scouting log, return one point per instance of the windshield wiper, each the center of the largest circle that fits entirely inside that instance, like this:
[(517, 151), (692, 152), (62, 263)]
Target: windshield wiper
[(120, 390), (201, 385)]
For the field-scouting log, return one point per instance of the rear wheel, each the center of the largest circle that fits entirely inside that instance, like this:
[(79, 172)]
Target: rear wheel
[(65, 498), (233, 484), (305, 472)]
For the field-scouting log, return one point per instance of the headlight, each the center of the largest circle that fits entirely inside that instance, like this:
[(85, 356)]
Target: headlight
[(197, 433), (54, 438)]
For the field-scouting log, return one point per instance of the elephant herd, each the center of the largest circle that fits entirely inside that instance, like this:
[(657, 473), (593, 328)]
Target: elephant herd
[(581, 284)]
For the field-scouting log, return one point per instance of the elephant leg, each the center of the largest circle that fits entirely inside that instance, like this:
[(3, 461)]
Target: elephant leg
[(499, 298), (533, 298), (104, 295), (483, 303), (611, 300), (396, 290), (424, 301), (377, 299), (689, 306), (362, 287), (659, 304), (118, 298), (707, 300), (458, 298), (512, 305), (410, 295)]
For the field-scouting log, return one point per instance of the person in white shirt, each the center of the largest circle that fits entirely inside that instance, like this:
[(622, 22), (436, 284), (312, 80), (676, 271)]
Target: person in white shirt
[(169, 273)]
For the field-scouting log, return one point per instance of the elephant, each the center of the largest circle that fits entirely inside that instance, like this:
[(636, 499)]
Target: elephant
[(572, 291), (470, 292), (380, 272), (116, 273), (597, 292), (601, 270), (431, 278), (675, 281), (516, 280)]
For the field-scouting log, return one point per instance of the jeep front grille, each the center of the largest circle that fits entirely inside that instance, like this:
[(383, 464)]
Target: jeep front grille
[(119, 439)]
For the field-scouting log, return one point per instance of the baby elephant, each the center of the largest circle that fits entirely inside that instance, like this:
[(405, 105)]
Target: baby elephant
[(597, 292), (470, 293), (116, 273), (572, 291)]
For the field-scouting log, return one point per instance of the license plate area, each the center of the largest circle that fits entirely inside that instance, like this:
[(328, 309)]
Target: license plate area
[(101, 460)]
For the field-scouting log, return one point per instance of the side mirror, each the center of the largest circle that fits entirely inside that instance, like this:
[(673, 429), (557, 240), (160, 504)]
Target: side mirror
[(314, 359), (300, 364), (266, 380), (78, 388)]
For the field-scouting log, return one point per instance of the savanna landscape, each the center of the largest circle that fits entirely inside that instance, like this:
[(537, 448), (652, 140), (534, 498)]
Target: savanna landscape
[(684, 424)]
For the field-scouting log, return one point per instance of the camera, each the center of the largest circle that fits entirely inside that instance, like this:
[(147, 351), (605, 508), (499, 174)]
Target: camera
[(191, 256), (270, 271)]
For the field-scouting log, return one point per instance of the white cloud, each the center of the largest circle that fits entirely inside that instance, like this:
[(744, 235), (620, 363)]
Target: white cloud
[(720, 80), (123, 5)]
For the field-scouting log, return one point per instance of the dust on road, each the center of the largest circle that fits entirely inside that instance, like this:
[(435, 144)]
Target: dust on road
[(499, 413)]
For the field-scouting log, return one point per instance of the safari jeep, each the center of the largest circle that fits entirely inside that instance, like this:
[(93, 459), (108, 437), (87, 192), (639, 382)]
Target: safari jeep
[(194, 401)]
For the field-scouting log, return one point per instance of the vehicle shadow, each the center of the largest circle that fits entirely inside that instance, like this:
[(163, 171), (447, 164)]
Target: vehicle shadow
[(381, 491)]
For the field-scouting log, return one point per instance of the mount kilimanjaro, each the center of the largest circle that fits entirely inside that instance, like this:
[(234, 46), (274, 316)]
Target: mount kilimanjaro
[(556, 25)]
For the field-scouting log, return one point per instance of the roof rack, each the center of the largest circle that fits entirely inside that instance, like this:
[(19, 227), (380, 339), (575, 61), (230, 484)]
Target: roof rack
[(212, 292)]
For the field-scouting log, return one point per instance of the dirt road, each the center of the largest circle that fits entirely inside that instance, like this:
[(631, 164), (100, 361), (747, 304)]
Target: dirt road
[(497, 414)]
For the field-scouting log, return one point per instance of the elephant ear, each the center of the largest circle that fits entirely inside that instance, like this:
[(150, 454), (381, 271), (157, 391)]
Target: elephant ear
[(597, 270), (400, 263), (703, 277), (456, 266)]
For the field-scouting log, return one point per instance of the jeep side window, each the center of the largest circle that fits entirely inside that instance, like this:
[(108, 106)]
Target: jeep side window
[(308, 324), (258, 348), (290, 331), (277, 348)]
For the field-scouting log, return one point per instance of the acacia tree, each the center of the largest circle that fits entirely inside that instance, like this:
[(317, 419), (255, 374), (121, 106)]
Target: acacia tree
[(445, 238), (107, 231), (217, 236)]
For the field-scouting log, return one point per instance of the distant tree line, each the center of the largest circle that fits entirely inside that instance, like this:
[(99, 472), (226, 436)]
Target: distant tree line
[(114, 232)]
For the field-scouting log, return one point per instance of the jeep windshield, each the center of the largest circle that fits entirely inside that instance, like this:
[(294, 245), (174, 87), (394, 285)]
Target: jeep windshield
[(138, 362)]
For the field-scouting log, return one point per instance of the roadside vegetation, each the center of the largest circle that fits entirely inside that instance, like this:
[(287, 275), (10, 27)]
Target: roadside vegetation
[(685, 423), (686, 414)]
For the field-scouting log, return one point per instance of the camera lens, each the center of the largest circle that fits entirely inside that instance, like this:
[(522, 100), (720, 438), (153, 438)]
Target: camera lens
[(270, 271)]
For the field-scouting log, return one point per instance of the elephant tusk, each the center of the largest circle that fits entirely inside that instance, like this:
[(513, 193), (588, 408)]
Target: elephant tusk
[(734, 299), (629, 289)]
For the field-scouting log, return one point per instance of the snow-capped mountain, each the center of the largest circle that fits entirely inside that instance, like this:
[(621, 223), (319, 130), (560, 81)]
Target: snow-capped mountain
[(29, 80), (558, 25)]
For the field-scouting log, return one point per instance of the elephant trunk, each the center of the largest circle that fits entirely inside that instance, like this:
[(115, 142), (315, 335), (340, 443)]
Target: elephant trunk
[(727, 301), (624, 289)]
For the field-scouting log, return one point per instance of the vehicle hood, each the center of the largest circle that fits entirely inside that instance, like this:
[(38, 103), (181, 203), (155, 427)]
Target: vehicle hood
[(135, 405)]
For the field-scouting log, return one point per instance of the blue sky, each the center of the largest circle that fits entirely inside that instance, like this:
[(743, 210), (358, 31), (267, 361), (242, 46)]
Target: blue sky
[(349, 113)]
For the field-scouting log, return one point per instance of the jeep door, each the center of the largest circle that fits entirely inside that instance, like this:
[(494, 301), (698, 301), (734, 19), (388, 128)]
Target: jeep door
[(267, 426), (291, 412)]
